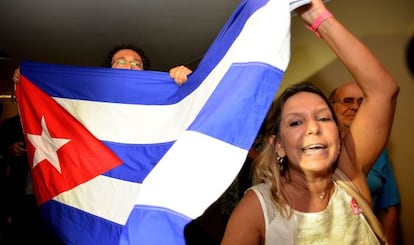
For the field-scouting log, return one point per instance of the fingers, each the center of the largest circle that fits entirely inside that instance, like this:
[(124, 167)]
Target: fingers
[(17, 149), (179, 74), (310, 12), (16, 76)]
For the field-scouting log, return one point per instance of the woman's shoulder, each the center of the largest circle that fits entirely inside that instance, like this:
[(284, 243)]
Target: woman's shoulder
[(264, 195), (262, 188)]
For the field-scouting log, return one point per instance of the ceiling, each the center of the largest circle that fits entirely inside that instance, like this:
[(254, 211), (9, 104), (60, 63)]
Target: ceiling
[(80, 32)]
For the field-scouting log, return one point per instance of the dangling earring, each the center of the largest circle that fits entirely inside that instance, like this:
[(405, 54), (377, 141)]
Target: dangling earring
[(282, 165), (279, 158)]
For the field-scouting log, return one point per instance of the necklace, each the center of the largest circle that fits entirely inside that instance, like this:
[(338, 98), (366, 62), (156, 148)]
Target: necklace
[(326, 192), (296, 188), (323, 196)]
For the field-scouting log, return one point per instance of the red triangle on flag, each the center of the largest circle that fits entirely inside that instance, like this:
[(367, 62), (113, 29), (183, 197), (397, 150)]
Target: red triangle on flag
[(81, 159)]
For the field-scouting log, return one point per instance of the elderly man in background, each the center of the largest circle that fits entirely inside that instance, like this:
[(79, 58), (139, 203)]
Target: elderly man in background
[(346, 100)]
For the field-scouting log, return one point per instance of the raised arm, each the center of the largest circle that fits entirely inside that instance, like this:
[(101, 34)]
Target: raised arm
[(371, 127)]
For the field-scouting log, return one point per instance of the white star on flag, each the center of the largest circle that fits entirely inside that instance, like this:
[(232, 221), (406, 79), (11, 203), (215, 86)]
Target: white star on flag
[(46, 146)]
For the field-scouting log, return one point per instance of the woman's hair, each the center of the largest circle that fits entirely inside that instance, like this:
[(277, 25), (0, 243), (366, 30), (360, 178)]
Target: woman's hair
[(266, 167), (111, 53)]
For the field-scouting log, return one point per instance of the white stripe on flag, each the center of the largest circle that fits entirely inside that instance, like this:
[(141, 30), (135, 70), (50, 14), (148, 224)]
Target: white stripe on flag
[(205, 167), (101, 200)]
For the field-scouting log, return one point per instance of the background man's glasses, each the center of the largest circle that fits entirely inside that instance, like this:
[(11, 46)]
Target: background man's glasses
[(124, 62), (348, 101)]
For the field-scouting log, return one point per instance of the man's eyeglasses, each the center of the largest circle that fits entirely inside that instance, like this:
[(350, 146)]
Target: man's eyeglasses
[(124, 62), (348, 101)]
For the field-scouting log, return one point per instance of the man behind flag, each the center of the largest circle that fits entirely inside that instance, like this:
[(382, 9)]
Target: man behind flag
[(126, 157)]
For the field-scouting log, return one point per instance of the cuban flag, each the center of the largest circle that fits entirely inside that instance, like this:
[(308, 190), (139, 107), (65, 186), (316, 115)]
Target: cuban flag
[(129, 157)]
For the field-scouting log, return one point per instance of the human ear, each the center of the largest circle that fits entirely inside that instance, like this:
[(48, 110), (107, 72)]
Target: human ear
[(277, 145)]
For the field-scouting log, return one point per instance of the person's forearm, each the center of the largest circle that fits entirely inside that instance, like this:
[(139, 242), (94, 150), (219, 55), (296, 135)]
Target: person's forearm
[(359, 60)]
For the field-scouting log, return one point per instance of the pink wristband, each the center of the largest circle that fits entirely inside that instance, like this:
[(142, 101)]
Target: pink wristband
[(318, 21)]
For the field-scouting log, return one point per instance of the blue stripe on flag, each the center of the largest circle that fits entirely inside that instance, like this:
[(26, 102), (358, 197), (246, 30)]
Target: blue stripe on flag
[(167, 225), (240, 86), (138, 160), (75, 222)]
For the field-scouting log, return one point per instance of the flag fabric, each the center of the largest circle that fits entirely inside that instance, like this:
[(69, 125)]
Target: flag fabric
[(129, 157)]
